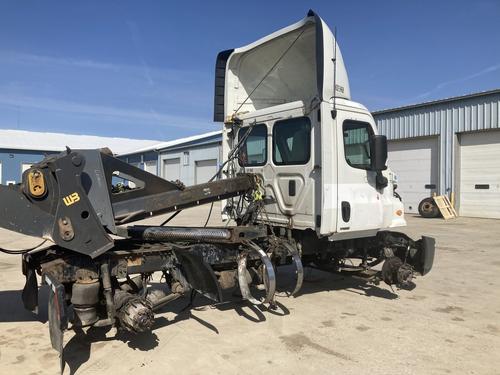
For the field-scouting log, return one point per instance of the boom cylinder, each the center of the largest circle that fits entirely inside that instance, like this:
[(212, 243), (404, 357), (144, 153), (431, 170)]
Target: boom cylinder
[(203, 234), (160, 234)]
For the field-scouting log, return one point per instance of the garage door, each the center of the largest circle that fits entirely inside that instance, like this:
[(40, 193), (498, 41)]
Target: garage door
[(150, 166), (172, 169), (415, 162), (25, 167), (479, 193), (205, 169)]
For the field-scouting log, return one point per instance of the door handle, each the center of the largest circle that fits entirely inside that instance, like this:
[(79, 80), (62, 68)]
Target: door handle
[(292, 188), (346, 211)]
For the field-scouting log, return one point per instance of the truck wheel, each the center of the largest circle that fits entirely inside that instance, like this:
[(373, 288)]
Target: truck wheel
[(427, 208)]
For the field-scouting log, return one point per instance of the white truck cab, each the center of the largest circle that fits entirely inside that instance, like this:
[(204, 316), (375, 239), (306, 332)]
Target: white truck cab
[(316, 151)]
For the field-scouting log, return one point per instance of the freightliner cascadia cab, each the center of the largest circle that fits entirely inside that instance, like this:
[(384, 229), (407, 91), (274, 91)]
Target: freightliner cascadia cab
[(317, 151)]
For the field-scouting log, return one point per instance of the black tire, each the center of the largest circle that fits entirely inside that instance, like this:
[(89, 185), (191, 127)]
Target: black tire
[(428, 209)]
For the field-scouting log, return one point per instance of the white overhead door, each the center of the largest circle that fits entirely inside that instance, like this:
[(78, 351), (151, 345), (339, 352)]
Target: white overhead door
[(132, 184), (172, 169), (479, 193), (25, 167), (205, 170), (150, 166), (415, 162)]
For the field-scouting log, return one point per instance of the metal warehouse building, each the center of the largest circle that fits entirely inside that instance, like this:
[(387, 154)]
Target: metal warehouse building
[(192, 160), (20, 149), (445, 146)]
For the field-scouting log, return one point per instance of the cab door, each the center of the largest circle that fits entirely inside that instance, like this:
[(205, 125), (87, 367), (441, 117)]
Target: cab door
[(292, 176), (360, 203), (281, 152)]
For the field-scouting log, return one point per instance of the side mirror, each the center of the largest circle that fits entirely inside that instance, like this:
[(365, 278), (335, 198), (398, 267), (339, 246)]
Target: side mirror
[(378, 147)]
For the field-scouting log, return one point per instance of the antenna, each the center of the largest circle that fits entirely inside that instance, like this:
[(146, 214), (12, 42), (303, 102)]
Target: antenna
[(334, 111)]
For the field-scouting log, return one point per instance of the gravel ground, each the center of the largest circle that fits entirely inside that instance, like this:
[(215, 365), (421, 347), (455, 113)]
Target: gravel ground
[(450, 323)]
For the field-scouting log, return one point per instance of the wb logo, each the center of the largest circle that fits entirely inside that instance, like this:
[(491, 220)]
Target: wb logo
[(71, 199)]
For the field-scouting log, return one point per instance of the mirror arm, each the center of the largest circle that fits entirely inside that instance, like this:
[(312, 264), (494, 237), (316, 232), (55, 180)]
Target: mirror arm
[(381, 181)]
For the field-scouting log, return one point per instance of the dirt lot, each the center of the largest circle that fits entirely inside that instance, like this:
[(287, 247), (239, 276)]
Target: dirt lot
[(450, 323)]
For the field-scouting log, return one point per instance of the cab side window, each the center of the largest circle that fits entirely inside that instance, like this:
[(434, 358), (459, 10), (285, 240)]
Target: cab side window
[(253, 152), (292, 141), (357, 143)]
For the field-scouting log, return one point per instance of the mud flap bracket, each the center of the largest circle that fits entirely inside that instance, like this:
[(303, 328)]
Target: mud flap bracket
[(427, 252), (30, 290), (58, 316)]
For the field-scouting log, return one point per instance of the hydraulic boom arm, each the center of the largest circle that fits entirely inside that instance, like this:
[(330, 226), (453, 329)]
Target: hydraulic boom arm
[(69, 199)]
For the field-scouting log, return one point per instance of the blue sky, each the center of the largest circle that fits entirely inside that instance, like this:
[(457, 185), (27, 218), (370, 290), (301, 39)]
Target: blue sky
[(144, 69)]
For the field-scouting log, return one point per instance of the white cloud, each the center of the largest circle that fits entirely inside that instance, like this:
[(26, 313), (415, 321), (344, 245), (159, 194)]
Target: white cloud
[(32, 59), (469, 77), (137, 41), (135, 115), (143, 70)]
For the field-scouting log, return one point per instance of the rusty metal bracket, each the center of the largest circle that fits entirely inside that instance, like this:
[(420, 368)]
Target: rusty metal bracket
[(65, 229)]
